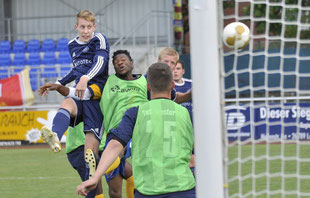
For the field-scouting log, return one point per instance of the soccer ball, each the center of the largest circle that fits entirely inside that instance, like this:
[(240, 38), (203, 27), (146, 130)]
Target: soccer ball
[(236, 35)]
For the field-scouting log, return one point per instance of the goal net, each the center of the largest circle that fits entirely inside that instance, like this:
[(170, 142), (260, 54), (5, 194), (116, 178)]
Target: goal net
[(266, 99)]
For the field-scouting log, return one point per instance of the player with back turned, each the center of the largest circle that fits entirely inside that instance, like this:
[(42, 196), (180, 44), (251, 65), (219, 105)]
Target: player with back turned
[(162, 142)]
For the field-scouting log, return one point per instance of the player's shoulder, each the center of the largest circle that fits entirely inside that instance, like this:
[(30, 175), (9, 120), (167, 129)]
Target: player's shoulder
[(101, 40), (99, 36), (132, 112), (181, 109), (186, 80), (73, 41)]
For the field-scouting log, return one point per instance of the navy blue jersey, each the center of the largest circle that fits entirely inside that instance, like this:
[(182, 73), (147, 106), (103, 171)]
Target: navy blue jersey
[(184, 87), (90, 59)]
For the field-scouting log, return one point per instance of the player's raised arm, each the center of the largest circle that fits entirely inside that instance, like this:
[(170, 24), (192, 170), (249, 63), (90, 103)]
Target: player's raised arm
[(183, 97), (69, 77), (43, 91)]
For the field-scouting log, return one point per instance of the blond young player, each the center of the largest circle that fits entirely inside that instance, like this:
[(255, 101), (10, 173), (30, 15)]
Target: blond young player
[(90, 56)]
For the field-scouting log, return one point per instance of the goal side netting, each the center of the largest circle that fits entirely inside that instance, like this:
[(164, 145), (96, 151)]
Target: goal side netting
[(265, 89)]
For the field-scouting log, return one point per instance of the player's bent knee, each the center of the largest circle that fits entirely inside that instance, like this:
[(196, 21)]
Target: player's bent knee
[(70, 105), (115, 193)]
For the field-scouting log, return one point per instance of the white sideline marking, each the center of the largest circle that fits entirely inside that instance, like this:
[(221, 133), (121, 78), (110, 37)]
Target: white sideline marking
[(42, 178)]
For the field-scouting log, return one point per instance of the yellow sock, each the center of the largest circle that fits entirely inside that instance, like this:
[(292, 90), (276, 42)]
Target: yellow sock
[(130, 187), (99, 196), (114, 165)]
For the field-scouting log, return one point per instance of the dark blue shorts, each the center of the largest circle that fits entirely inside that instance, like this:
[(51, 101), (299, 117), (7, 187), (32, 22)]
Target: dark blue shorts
[(90, 113), (181, 194), (76, 159), (121, 168), (193, 170)]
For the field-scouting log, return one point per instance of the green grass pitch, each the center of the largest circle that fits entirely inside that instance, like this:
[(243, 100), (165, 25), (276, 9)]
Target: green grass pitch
[(269, 167), (37, 173)]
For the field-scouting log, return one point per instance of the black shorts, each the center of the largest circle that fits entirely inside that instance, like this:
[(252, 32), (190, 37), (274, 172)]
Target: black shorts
[(89, 112)]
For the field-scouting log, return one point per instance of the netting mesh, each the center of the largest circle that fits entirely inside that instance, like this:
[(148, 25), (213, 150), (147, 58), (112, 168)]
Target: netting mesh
[(266, 88)]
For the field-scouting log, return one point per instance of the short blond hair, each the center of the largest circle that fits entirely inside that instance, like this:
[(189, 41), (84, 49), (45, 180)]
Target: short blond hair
[(168, 51), (87, 15)]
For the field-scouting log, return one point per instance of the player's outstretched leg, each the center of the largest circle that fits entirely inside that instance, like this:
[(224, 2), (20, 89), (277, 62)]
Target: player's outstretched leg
[(91, 160), (51, 138)]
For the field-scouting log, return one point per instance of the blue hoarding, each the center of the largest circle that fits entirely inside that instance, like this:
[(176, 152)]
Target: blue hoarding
[(272, 121)]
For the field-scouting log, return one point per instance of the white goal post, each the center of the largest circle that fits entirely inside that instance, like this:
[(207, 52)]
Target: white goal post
[(206, 98)]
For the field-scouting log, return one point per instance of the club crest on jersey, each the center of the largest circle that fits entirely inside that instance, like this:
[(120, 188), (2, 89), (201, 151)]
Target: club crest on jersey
[(85, 49)]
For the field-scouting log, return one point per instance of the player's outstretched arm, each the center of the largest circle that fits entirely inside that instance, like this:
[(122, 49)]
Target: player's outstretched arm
[(43, 91), (112, 151), (183, 97)]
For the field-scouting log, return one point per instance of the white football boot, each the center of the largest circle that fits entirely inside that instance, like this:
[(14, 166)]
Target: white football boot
[(51, 138)]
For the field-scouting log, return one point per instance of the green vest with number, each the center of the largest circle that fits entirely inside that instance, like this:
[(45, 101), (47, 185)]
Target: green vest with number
[(118, 96), (162, 144)]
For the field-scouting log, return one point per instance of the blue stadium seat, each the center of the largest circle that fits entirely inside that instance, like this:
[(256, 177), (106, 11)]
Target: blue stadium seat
[(34, 84), (33, 46), (34, 75), (49, 58), (5, 60), (34, 59), (19, 62), (62, 44), (64, 58), (65, 61), (4, 73), (19, 59), (19, 46), (48, 45), (5, 47), (49, 61)]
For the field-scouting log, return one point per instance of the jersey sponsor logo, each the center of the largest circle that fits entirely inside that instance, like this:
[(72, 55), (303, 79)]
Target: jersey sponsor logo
[(81, 62), (236, 119), (116, 88)]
